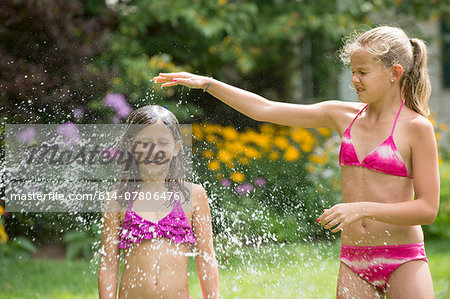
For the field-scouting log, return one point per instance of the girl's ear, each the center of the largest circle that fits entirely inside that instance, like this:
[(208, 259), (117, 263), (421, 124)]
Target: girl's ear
[(397, 71)]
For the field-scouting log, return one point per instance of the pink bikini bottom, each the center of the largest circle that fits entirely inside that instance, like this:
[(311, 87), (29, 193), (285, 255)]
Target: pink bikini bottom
[(375, 264)]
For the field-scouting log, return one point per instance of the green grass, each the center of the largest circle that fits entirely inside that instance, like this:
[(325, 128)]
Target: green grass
[(294, 271)]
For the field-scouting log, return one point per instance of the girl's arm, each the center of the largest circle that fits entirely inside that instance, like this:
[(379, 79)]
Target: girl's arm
[(422, 210), (319, 115), (108, 272), (207, 266)]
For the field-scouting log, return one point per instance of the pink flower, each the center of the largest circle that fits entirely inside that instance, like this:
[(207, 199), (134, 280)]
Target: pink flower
[(27, 135), (118, 102), (244, 188), (225, 182), (69, 131), (260, 182), (78, 112)]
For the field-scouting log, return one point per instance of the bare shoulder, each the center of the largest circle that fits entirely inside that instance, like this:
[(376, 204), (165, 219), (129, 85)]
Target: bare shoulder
[(421, 129), (199, 196), (420, 125)]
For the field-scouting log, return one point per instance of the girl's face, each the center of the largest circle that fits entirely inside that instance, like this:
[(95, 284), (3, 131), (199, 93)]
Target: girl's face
[(156, 143), (370, 78)]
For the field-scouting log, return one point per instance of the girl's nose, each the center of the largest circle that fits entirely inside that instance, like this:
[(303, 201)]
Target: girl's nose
[(355, 79)]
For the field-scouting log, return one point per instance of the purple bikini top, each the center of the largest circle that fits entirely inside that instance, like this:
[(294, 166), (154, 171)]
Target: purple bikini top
[(174, 226), (384, 158)]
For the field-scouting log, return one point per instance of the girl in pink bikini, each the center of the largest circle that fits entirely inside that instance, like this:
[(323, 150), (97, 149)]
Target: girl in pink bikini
[(155, 217), (388, 158)]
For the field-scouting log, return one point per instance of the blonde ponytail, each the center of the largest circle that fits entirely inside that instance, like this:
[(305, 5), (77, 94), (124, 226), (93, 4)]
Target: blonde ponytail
[(416, 83)]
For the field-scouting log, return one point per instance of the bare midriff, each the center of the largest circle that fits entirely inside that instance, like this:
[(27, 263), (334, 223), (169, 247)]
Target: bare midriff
[(155, 268), (360, 184)]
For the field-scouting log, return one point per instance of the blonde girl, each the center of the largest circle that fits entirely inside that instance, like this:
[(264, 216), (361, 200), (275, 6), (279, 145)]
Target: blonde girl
[(388, 158)]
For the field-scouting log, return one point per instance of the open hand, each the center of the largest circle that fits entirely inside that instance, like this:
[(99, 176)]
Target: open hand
[(183, 78), (341, 215)]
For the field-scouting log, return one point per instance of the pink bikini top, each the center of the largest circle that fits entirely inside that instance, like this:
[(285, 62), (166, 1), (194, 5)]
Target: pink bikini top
[(174, 226), (384, 158)]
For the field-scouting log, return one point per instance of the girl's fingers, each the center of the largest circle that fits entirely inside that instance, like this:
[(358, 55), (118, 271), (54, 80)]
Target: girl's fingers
[(338, 228), (171, 75), (168, 84), (331, 224)]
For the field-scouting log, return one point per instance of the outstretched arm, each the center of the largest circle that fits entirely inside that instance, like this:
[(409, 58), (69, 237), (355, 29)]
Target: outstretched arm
[(320, 115), (108, 272), (421, 211), (207, 267)]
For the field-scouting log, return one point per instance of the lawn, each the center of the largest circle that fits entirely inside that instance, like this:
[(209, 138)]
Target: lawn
[(306, 270), (294, 271)]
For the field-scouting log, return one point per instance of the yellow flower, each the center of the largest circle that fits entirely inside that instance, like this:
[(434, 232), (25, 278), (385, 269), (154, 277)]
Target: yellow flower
[(319, 159), (306, 147), (325, 132), (252, 153), (3, 235), (222, 2), (264, 141), (208, 154), (267, 129), (237, 177), (214, 165), (291, 154), (304, 138), (212, 128), (274, 156), (243, 160), (225, 156), (211, 138), (235, 147), (230, 133), (197, 131), (2, 210), (310, 168), (281, 142), (443, 127), (230, 165), (219, 176)]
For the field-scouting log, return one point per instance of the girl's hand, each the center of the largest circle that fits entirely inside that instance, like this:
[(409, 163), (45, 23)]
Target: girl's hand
[(341, 215), (183, 78)]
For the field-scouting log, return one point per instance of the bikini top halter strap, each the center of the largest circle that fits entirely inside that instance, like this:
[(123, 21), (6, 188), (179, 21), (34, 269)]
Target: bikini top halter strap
[(395, 122), (396, 118)]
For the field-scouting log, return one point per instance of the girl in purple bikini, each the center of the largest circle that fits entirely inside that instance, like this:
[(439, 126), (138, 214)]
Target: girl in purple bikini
[(388, 158), (156, 242)]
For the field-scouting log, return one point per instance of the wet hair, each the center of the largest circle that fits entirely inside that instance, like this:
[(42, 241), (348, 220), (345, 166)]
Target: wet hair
[(390, 46), (131, 179)]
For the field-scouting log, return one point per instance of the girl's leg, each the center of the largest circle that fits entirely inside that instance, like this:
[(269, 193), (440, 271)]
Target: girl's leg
[(351, 285), (411, 280)]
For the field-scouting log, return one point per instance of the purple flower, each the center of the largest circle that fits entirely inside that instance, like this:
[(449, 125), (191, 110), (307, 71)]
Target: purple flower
[(225, 182), (69, 131), (260, 182), (78, 112), (244, 188), (118, 102), (27, 135)]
